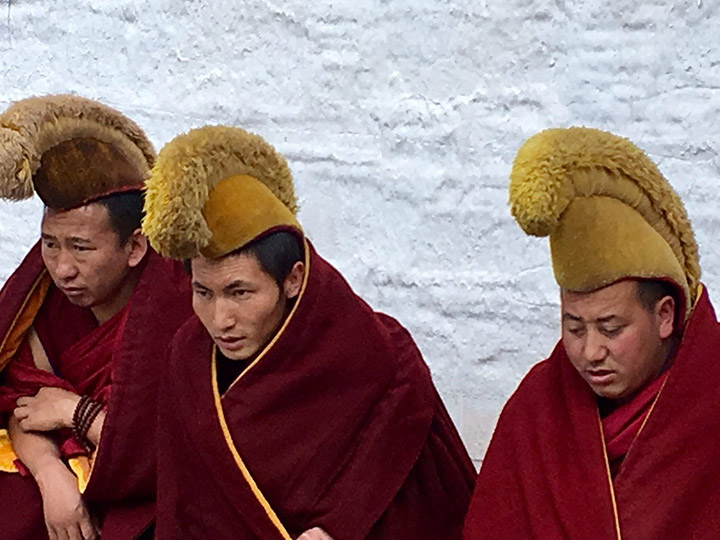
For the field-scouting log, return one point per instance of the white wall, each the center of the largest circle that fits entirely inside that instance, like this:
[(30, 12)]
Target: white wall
[(400, 119)]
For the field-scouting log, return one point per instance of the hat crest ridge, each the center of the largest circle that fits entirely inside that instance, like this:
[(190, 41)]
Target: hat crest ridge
[(189, 167), (544, 180), (32, 126)]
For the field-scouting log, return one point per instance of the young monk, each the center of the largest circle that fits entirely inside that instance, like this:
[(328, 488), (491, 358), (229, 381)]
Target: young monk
[(613, 435), (84, 322), (290, 408)]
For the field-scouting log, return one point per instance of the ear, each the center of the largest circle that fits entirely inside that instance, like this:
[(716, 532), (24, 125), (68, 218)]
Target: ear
[(294, 280), (136, 247), (665, 315)]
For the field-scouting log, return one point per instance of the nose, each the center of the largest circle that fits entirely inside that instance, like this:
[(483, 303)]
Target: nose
[(595, 349), (223, 318), (65, 267)]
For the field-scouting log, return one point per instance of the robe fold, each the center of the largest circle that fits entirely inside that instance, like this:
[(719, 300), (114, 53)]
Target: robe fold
[(622, 425), (336, 424), (546, 473), (118, 363)]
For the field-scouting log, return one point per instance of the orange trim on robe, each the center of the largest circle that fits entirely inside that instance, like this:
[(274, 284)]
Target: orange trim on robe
[(622, 425), (545, 474), (119, 363), (336, 424)]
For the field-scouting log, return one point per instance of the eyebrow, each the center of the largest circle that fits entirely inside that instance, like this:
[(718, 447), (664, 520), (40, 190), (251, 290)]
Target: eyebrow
[(76, 239), (80, 240), (198, 285), (235, 284), (575, 318)]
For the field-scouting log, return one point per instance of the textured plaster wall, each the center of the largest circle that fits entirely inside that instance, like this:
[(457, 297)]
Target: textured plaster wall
[(400, 119)]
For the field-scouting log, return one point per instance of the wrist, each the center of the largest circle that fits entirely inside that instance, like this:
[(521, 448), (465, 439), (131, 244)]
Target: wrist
[(48, 472), (69, 411)]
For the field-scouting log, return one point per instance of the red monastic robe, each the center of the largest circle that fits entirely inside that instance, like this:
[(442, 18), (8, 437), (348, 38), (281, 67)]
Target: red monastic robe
[(336, 424), (118, 363), (546, 473)]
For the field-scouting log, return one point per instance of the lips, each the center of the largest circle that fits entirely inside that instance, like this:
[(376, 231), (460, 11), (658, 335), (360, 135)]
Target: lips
[(230, 343), (72, 291), (600, 376)]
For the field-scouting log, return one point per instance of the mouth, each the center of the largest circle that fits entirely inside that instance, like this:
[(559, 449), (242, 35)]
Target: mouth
[(72, 291), (600, 376), (230, 343)]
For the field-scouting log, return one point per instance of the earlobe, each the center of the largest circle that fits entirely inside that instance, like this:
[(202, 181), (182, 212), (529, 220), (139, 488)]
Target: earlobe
[(666, 317), (138, 246), (294, 280)]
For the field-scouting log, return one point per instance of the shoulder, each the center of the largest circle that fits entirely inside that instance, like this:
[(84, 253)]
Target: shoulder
[(533, 393), (188, 335)]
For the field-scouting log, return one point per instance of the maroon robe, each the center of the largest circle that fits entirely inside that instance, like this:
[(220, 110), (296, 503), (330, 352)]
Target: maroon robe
[(118, 363), (335, 425), (622, 425), (546, 473)]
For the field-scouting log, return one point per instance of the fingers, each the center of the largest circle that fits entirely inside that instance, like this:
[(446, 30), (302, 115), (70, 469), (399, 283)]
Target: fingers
[(87, 529), (316, 533), (74, 532), (21, 412), (22, 401)]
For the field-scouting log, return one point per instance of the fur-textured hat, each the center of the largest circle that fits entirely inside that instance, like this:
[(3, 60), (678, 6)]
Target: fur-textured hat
[(70, 150), (608, 210), (215, 189)]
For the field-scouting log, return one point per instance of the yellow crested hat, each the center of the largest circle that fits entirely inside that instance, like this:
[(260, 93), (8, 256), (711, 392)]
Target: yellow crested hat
[(70, 150), (215, 189), (609, 212)]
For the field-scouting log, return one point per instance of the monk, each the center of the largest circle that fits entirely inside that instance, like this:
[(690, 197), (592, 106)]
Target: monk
[(611, 436), (83, 322), (312, 416)]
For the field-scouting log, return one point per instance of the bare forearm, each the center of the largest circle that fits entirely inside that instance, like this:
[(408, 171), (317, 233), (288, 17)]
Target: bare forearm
[(38, 452)]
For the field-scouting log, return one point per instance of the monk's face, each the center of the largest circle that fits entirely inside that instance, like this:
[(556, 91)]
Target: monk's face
[(84, 255), (241, 305), (616, 344)]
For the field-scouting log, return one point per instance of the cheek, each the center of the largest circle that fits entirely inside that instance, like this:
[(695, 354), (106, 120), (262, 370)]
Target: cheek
[(268, 314), (103, 269), (573, 348), (203, 310), (627, 349)]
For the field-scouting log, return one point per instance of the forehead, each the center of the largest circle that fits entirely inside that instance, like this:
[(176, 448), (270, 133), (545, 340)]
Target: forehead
[(90, 219), (616, 299), (220, 272)]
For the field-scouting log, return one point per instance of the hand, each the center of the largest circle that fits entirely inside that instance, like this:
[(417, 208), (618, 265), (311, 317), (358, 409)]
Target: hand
[(66, 516), (316, 533), (49, 409)]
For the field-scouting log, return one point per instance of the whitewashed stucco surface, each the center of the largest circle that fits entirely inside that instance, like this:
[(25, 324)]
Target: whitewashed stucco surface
[(400, 119)]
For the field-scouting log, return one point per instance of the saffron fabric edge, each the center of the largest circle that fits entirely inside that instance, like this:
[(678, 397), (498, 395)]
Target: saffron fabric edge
[(272, 516)]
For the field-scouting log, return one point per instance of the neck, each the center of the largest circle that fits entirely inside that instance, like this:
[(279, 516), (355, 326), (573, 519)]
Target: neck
[(117, 301)]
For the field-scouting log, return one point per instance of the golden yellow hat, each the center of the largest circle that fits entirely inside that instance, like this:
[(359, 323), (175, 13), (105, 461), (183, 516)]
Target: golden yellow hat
[(609, 212), (214, 190), (70, 150)]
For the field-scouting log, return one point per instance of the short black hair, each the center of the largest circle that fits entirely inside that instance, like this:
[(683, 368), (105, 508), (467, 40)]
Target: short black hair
[(276, 253), (125, 211), (651, 291)]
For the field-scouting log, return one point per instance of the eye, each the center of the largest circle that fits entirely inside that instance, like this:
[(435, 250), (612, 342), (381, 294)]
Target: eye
[(239, 293), (576, 331), (202, 293), (612, 331), (50, 244)]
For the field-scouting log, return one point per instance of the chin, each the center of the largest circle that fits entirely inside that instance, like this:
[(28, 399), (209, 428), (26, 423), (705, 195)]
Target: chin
[(612, 392), (81, 301), (239, 355)]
